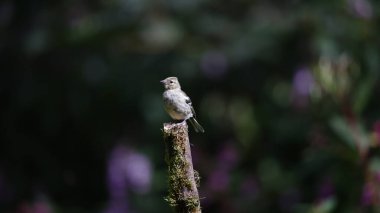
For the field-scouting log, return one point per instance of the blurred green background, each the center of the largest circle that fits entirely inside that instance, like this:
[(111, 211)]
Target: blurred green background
[(288, 92)]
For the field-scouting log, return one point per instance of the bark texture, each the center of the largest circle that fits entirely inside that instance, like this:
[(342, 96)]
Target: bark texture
[(183, 180)]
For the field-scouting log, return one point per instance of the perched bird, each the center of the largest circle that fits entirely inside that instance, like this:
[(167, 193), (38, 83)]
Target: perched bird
[(178, 104)]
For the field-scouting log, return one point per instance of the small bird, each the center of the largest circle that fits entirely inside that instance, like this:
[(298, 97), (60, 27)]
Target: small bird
[(178, 104)]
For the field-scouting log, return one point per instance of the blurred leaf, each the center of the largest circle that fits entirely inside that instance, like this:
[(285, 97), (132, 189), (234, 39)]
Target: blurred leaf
[(325, 206), (355, 136), (281, 93), (272, 177), (244, 120), (341, 128), (362, 94), (37, 41), (374, 165)]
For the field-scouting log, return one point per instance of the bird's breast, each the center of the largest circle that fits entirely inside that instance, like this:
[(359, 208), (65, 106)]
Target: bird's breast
[(176, 105)]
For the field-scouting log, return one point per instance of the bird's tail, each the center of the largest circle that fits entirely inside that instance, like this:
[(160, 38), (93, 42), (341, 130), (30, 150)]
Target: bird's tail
[(196, 125)]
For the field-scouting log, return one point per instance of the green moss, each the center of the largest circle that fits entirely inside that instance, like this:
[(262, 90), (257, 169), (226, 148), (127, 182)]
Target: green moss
[(192, 202), (180, 184), (197, 178), (177, 174)]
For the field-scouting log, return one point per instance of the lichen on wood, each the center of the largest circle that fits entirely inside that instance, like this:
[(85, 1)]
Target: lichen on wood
[(183, 180)]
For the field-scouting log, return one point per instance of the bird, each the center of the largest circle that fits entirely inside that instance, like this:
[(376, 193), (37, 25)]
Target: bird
[(177, 104)]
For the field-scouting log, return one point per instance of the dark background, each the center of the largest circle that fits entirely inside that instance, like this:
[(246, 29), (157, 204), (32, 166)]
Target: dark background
[(287, 91)]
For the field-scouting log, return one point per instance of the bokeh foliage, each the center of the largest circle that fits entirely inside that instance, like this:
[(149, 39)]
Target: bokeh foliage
[(286, 90)]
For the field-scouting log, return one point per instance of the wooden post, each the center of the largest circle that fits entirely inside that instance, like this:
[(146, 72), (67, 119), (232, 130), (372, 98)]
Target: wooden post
[(183, 180)]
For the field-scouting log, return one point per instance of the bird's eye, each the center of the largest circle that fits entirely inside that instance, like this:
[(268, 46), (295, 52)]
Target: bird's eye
[(171, 81)]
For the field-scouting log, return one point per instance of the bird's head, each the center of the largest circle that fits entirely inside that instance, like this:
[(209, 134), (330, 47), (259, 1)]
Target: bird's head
[(171, 83)]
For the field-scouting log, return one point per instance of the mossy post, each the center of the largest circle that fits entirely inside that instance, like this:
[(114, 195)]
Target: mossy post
[(183, 180)]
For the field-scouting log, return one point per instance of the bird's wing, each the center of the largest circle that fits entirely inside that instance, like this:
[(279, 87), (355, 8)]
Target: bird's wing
[(188, 101)]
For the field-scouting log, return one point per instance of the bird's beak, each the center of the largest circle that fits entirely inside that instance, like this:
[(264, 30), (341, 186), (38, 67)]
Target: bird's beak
[(162, 82)]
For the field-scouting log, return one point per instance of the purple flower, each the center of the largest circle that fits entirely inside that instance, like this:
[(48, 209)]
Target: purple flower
[(376, 127), (127, 170), (367, 195), (41, 205), (218, 180), (362, 8), (377, 177), (303, 83), (138, 172), (118, 206), (228, 157)]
